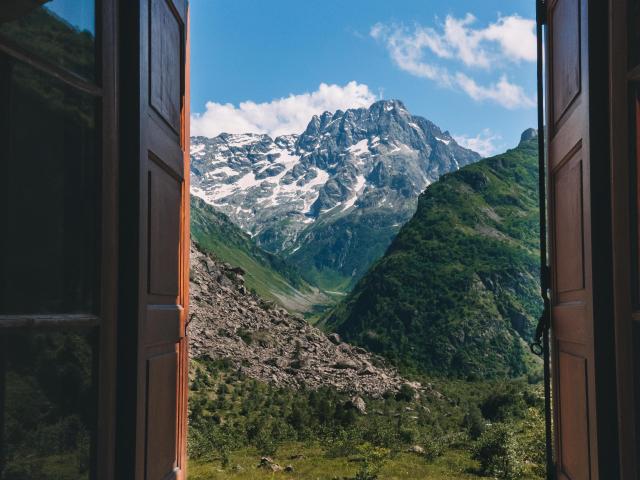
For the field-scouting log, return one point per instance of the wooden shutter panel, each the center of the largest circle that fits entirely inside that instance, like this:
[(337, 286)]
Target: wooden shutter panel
[(625, 155), (158, 182), (569, 220), (580, 235), (165, 190)]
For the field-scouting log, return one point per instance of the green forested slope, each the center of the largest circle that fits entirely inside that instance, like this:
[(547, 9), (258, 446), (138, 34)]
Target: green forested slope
[(457, 291), (266, 274)]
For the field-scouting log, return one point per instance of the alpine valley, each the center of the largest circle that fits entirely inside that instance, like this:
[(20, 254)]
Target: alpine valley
[(330, 200), (417, 263), (441, 289)]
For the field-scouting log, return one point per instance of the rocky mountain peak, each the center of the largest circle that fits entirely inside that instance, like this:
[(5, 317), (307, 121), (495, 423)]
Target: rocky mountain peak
[(529, 134), (358, 165)]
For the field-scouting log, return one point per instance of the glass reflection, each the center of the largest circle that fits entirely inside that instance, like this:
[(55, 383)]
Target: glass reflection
[(60, 31), (48, 421), (48, 255), (634, 33)]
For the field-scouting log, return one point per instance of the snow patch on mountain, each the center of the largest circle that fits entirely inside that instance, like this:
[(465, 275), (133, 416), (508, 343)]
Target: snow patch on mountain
[(380, 157), (359, 148), (358, 188)]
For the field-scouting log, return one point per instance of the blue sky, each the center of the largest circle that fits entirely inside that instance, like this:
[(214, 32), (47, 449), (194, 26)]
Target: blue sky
[(78, 14), (466, 65)]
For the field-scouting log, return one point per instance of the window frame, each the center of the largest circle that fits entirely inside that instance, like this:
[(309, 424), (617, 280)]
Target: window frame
[(104, 89)]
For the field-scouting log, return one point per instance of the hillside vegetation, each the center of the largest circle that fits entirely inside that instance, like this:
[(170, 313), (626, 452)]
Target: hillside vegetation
[(241, 428), (452, 303), (456, 293), (265, 273)]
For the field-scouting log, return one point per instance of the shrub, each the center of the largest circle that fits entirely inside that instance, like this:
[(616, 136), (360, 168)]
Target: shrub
[(474, 423), (433, 448), (206, 438), (380, 432), (343, 444), (497, 453), (199, 444), (505, 402), (407, 435), (265, 442), (405, 394), (533, 441), (373, 459)]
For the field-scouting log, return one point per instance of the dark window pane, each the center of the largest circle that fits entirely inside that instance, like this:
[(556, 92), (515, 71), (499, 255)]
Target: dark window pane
[(60, 31), (47, 385), (636, 374), (634, 114), (634, 33), (49, 170)]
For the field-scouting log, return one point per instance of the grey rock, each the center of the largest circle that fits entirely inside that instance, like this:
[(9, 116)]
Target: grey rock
[(345, 363), (359, 404), (268, 464), (283, 349), (528, 134)]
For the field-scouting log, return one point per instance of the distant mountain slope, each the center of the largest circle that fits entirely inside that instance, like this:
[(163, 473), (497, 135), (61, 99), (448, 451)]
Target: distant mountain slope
[(332, 198), (265, 273), (457, 291)]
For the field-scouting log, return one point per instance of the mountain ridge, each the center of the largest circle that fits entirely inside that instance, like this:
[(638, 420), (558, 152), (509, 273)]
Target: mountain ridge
[(456, 293), (331, 198)]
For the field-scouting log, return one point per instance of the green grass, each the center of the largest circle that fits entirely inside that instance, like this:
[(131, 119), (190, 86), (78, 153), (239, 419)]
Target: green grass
[(258, 277), (235, 420), (310, 462), (329, 280)]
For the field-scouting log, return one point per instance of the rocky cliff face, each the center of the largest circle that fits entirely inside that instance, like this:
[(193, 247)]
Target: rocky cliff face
[(332, 198), (268, 344)]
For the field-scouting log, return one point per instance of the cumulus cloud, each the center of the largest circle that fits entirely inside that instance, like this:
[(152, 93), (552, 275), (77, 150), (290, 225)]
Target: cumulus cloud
[(423, 50), (281, 116), (485, 143), (516, 36), (503, 92)]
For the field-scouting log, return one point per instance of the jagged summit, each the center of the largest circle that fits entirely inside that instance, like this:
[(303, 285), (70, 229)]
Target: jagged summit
[(313, 193)]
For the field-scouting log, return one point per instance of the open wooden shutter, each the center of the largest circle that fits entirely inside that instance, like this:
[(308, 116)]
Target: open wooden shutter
[(155, 238), (580, 240), (570, 246), (625, 153), (164, 238)]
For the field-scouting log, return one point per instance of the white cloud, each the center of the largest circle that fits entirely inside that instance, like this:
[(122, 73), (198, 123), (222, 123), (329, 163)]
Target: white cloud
[(281, 116), (464, 42), (502, 92), (406, 51), (516, 36), (485, 143), (422, 51)]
